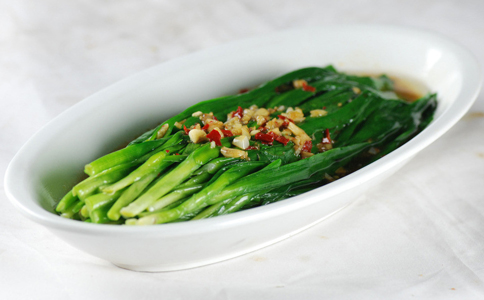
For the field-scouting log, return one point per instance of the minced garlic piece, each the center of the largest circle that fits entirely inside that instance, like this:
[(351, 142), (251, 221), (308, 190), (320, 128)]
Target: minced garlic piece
[(179, 125), (299, 83), (318, 113), (261, 120), (261, 112), (276, 131), (215, 125), (233, 123), (197, 114), (241, 141), (286, 132), (248, 113), (274, 123), (197, 136), (356, 90), (305, 154), (161, 133), (245, 131), (324, 147), (296, 116), (229, 152), (295, 130)]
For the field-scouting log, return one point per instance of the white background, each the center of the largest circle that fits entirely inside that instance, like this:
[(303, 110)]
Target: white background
[(418, 235)]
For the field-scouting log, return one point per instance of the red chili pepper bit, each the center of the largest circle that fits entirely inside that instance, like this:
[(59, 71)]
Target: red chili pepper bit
[(327, 138), (285, 119), (324, 107), (186, 129), (263, 129), (214, 136), (227, 133), (271, 133), (282, 140), (206, 126), (167, 151), (215, 118), (251, 148), (239, 113), (307, 146), (264, 137), (243, 91), (308, 88), (177, 153)]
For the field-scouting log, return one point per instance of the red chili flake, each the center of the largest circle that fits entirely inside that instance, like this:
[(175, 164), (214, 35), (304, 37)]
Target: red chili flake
[(215, 118), (186, 129), (214, 136), (243, 91), (324, 107), (227, 133), (307, 146), (308, 88), (262, 128), (285, 124), (285, 118), (177, 153), (206, 126), (239, 113), (282, 140), (167, 151), (327, 138), (265, 137), (252, 148)]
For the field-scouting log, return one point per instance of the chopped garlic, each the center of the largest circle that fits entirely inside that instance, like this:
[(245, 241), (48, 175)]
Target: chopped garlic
[(276, 131), (241, 141), (296, 116), (178, 125), (318, 113), (324, 147), (161, 133), (197, 114), (299, 83), (260, 120), (261, 112), (215, 125), (245, 131), (296, 130), (229, 152), (305, 154), (197, 136)]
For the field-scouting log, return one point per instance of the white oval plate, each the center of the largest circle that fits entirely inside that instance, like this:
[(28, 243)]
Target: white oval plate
[(52, 160)]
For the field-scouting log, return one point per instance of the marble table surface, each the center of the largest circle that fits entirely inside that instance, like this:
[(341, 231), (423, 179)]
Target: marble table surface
[(419, 235)]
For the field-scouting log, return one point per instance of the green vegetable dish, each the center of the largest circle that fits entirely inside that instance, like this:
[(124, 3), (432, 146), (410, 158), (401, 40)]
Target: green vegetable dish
[(286, 137)]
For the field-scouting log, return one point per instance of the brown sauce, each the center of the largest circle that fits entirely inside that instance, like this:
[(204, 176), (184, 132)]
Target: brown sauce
[(408, 89)]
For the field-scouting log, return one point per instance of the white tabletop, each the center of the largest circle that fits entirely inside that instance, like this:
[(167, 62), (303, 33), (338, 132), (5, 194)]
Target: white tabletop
[(418, 235)]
